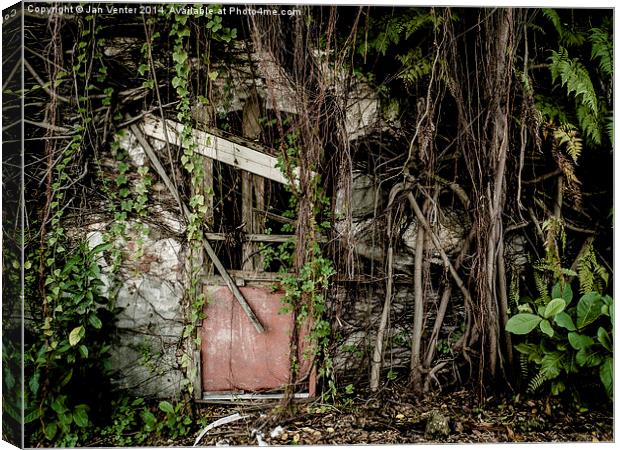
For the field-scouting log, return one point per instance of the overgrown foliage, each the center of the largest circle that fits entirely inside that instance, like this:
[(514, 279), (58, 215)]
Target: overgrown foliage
[(503, 117)]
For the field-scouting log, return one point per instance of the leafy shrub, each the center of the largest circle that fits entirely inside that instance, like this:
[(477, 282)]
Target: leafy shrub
[(131, 423), (177, 423), (67, 358), (566, 340)]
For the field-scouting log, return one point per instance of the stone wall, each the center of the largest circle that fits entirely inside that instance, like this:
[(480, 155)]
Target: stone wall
[(151, 286)]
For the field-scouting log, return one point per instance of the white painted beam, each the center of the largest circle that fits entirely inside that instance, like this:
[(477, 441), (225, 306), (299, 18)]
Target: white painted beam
[(218, 148)]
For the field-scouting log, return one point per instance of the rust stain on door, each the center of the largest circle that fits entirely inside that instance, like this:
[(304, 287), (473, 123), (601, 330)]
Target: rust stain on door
[(237, 357)]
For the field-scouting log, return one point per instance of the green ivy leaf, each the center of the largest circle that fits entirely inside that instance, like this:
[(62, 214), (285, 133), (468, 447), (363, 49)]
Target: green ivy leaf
[(522, 323), (554, 307), (101, 248), (546, 328), (83, 351), (76, 335), (166, 407), (95, 321), (80, 416), (149, 420), (50, 430), (34, 383), (32, 416), (565, 321)]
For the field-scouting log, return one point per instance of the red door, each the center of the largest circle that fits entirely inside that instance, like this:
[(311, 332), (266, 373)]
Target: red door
[(236, 357)]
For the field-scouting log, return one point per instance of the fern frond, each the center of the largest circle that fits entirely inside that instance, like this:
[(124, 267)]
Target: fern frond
[(419, 20), (593, 277), (541, 286), (609, 127), (574, 77), (568, 136), (536, 382), (549, 110), (514, 290), (523, 364), (589, 123), (554, 18), (415, 66), (568, 36), (602, 49)]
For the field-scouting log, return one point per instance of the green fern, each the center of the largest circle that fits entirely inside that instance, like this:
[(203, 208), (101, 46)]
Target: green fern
[(536, 382), (524, 366), (567, 135), (609, 127), (415, 66), (541, 286), (602, 49), (574, 77), (514, 290), (589, 123), (400, 26), (568, 36), (592, 276), (550, 110)]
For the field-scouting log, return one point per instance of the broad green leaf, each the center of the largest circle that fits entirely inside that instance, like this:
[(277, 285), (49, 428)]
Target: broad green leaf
[(587, 357), (149, 420), (564, 320), (80, 416), (76, 335), (554, 307), (604, 339), (546, 328), (32, 416), (529, 349), (83, 351), (34, 383), (67, 378), (564, 292), (58, 404), (606, 372), (551, 365), (65, 419), (166, 407), (579, 341), (50, 430), (588, 309), (101, 248), (95, 321), (522, 323)]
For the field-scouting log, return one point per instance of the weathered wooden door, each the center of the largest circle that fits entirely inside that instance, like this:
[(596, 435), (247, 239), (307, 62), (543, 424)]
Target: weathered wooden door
[(235, 356)]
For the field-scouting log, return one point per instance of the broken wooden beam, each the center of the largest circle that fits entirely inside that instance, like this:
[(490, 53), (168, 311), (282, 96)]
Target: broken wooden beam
[(259, 237), (219, 148), (252, 237), (216, 261)]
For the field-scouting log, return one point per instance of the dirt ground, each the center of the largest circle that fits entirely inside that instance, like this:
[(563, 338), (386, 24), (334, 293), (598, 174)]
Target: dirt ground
[(393, 418)]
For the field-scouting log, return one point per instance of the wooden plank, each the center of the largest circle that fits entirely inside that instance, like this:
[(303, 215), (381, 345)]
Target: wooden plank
[(252, 187), (250, 277), (218, 148), (255, 237), (232, 396), (270, 215), (258, 222), (210, 252), (247, 218)]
